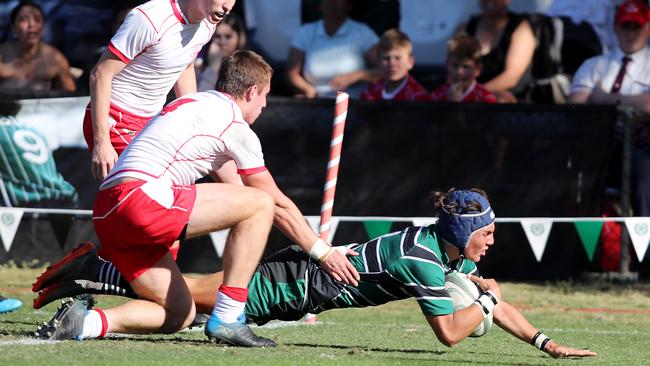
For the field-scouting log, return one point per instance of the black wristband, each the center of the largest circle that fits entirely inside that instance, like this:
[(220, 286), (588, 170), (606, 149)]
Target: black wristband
[(532, 341), (544, 344)]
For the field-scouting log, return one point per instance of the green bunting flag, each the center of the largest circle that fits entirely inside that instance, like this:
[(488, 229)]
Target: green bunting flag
[(377, 228), (589, 232)]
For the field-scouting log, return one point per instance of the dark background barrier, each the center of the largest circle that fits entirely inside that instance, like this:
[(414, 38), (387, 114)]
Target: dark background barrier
[(534, 161)]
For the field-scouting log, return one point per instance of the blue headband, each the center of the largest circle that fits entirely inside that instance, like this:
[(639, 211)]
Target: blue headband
[(456, 227)]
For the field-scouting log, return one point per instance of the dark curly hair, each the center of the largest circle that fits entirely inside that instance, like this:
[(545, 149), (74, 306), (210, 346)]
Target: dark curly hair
[(440, 201)]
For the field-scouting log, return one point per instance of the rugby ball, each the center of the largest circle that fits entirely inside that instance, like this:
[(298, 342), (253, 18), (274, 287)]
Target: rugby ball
[(463, 292)]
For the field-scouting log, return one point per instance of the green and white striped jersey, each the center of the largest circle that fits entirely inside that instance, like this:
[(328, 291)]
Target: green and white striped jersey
[(409, 263), (28, 175)]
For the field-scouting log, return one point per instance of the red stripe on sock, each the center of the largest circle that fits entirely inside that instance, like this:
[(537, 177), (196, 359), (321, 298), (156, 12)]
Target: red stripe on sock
[(104, 322), (235, 293)]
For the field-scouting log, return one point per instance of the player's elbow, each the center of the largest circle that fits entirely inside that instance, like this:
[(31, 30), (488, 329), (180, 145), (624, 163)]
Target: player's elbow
[(448, 338), (448, 341)]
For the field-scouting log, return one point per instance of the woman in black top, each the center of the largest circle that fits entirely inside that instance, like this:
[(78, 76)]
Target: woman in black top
[(507, 43)]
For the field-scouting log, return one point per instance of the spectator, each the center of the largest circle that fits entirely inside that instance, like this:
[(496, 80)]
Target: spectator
[(621, 76), (229, 37), (463, 67), (27, 62), (507, 44), (396, 57), (332, 54)]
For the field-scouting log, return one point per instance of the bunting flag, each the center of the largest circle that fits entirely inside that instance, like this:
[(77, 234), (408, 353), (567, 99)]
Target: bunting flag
[(219, 240), (314, 223), (424, 221), (589, 232), (61, 225), (9, 221), (639, 230), (537, 231), (377, 228)]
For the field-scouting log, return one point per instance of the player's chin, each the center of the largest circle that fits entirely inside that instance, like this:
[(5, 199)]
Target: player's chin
[(214, 19)]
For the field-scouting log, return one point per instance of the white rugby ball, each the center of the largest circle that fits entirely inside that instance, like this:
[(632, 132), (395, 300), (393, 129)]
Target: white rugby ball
[(464, 292)]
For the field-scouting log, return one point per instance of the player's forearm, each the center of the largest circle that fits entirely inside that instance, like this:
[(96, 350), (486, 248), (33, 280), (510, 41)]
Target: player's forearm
[(453, 328), (100, 95), (186, 83), (513, 321), (290, 221)]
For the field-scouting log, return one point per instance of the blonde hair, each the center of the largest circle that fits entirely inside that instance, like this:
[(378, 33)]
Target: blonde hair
[(242, 70), (464, 46), (394, 38)]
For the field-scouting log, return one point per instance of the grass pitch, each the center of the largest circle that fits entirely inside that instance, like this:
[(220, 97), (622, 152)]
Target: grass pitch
[(613, 320)]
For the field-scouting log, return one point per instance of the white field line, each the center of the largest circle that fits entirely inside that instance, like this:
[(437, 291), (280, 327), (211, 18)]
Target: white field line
[(26, 342)]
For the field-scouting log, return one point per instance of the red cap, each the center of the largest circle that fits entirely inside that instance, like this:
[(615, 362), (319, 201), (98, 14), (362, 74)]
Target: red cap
[(632, 11)]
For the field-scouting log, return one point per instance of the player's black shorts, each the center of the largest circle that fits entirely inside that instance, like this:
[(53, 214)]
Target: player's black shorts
[(287, 285)]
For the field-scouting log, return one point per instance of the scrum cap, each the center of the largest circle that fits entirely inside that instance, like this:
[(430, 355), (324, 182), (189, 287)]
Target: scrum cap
[(456, 225)]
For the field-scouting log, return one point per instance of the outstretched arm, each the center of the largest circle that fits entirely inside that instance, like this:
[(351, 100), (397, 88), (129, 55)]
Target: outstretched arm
[(513, 321)]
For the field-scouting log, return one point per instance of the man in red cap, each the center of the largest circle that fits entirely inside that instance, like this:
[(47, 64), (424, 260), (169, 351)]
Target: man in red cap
[(622, 76)]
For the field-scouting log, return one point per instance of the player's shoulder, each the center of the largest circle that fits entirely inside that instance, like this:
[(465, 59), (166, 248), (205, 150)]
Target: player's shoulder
[(153, 13)]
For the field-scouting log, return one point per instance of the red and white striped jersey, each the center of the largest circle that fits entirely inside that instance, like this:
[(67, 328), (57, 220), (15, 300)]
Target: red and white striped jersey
[(476, 93), (156, 42), (192, 136)]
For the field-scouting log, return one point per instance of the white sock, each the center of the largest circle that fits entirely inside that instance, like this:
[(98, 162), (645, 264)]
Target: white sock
[(92, 325), (227, 308)]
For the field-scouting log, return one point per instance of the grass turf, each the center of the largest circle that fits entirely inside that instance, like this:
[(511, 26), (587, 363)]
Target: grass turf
[(612, 320)]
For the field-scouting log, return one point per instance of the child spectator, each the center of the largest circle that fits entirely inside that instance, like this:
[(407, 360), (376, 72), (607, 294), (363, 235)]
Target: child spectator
[(396, 60), (463, 67)]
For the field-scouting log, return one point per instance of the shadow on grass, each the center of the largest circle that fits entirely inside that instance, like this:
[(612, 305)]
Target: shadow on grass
[(423, 351)]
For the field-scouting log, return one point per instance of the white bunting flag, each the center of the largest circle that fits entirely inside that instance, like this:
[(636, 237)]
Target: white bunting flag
[(639, 230), (424, 221), (314, 222), (537, 231), (9, 221), (219, 240)]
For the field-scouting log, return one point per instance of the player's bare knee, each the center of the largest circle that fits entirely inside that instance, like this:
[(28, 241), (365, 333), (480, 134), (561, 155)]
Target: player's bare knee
[(265, 203)]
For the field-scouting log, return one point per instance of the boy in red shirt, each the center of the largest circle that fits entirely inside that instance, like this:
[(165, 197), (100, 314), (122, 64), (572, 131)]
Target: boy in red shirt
[(396, 57), (463, 67)]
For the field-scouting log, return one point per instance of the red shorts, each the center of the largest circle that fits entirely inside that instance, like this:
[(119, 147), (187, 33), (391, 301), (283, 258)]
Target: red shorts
[(137, 223), (126, 126)]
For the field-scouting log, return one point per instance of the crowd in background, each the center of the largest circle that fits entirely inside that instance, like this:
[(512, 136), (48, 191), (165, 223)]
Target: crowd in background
[(524, 57)]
